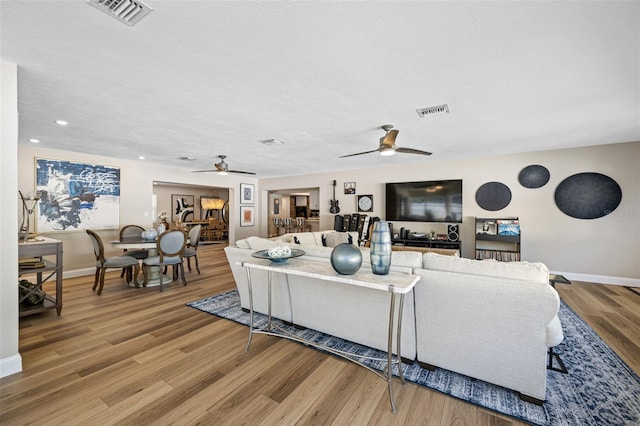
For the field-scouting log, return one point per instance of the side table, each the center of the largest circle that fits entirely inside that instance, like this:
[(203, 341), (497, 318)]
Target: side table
[(39, 249), (560, 279)]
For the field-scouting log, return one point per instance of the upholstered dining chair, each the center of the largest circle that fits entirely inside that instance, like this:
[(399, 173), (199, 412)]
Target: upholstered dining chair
[(171, 245), (192, 247), (103, 263), (132, 231)]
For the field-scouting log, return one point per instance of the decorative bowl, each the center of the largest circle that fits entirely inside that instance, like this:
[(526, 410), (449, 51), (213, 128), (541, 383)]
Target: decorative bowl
[(264, 254), (150, 234)]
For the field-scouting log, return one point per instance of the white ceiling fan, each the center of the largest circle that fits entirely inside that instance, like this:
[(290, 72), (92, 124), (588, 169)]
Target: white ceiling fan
[(388, 145), (223, 168)]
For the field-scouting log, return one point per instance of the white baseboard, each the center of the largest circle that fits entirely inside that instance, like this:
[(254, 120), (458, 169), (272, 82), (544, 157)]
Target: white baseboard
[(78, 272), (10, 365), (600, 279)]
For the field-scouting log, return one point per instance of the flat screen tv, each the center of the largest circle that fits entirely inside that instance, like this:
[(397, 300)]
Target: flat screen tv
[(425, 201)]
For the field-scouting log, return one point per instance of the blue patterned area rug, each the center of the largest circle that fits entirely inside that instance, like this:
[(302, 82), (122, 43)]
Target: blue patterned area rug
[(600, 388)]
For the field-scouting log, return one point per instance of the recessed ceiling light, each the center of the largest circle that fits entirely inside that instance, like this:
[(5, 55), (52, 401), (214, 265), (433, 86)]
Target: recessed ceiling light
[(34, 140), (141, 157), (62, 123), (188, 158)]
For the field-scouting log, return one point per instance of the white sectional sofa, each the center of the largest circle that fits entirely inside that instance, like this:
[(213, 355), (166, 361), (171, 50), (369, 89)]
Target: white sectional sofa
[(356, 314), (489, 320)]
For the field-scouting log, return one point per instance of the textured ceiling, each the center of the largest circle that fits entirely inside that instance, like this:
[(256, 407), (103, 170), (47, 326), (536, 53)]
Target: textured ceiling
[(200, 79)]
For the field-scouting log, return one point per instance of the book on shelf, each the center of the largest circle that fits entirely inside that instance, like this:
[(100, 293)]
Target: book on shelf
[(31, 263)]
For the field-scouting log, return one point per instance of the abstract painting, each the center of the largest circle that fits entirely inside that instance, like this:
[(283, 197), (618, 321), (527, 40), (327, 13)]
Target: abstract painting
[(246, 216), (77, 196)]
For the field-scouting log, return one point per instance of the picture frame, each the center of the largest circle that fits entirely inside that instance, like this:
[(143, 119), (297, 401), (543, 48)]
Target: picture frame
[(276, 205), (247, 193), (75, 196), (488, 227), (247, 216), (182, 207), (349, 188)]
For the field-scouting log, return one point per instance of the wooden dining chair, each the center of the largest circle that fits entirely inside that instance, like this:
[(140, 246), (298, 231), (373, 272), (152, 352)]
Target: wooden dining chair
[(140, 254), (170, 246), (103, 263), (192, 247)]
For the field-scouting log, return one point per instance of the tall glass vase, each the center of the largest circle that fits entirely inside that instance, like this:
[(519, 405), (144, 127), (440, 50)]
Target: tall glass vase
[(380, 250)]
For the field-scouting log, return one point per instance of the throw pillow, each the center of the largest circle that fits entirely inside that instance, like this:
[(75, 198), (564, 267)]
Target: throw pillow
[(335, 238)]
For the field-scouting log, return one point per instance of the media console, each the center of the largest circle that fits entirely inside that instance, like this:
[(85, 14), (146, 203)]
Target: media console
[(427, 245)]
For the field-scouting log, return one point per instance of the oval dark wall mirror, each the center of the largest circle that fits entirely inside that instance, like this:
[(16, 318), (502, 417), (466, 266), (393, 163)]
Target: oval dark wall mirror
[(588, 195), (534, 176), (493, 196)]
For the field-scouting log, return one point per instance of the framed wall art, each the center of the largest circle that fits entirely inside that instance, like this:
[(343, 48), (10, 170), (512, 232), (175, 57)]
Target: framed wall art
[(349, 187), (76, 196), (182, 207), (246, 193), (247, 215)]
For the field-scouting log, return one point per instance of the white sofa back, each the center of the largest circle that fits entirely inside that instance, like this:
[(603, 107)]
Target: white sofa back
[(355, 314), (487, 320), (524, 271)]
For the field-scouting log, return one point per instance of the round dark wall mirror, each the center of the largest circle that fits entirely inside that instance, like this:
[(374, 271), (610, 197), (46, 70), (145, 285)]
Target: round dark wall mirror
[(588, 195), (493, 196), (225, 212), (534, 176)]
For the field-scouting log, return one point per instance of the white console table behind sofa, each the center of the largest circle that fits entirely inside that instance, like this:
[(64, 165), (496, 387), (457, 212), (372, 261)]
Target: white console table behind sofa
[(393, 283)]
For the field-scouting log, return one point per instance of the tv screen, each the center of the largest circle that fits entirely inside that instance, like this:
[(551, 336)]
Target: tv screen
[(426, 201)]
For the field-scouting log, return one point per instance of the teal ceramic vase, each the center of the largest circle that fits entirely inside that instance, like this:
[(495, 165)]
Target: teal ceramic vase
[(380, 248)]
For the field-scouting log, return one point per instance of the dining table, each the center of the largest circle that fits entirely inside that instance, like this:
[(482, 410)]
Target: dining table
[(151, 245)]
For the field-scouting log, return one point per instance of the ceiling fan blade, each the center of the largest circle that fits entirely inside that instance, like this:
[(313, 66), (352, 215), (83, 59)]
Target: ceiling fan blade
[(389, 140), (412, 151), (359, 153), (238, 171), (203, 171)]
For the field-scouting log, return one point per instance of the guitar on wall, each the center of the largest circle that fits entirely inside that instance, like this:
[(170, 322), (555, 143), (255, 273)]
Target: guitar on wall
[(335, 209)]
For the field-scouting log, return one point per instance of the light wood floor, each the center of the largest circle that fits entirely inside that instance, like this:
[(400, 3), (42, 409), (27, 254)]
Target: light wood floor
[(138, 356)]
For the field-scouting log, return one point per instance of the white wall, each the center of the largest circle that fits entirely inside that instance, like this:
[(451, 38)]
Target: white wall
[(136, 191), (599, 250), (10, 359)]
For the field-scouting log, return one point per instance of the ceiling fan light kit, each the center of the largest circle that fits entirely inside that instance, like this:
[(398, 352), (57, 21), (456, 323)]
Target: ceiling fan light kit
[(222, 168), (387, 145), (387, 152)]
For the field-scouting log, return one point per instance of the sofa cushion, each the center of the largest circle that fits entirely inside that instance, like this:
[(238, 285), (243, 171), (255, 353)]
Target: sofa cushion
[(257, 243), (410, 259), (334, 238), (305, 238), (243, 244), (525, 271), (555, 336)]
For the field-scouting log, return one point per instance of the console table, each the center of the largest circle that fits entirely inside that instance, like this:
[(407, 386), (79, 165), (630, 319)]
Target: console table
[(38, 249), (394, 283)]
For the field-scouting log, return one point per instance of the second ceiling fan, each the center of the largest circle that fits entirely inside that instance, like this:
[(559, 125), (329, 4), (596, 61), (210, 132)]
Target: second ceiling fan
[(388, 145), (223, 168)]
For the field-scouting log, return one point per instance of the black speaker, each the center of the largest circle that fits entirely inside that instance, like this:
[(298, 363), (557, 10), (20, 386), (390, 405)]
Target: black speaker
[(337, 223), (452, 233)]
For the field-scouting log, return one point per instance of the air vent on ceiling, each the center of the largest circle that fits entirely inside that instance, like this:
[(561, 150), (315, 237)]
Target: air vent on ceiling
[(438, 109), (272, 141), (127, 11)]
